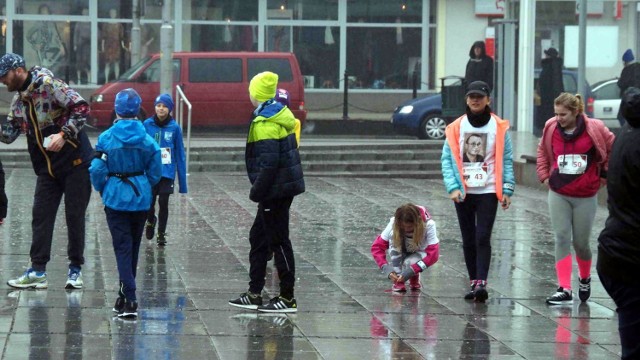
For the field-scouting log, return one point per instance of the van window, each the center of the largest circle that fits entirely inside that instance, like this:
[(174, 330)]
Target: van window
[(282, 67), (215, 70), (152, 73)]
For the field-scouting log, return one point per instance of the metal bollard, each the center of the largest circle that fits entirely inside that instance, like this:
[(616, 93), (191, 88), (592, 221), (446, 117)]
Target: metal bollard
[(345, 100)]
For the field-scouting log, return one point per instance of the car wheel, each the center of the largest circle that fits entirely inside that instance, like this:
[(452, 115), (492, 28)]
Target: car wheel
[(432, 127)]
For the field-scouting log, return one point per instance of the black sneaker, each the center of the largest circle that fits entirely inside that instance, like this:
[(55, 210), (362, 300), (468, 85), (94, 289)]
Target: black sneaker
[(562, 296), (162, 239), (117, 308), (129, 310), (584, 291), (481, 294), (280, 305), (471, 294), (247, 301), (150, 228)]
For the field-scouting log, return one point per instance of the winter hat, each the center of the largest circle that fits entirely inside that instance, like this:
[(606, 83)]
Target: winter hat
[(282, 96), (166, 100), (127, 104), (628, 56), (478, 87), (10, 61), (263, 86), (631, 106)]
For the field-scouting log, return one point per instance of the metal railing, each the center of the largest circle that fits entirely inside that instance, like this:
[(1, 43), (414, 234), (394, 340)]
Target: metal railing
[(180, 99)]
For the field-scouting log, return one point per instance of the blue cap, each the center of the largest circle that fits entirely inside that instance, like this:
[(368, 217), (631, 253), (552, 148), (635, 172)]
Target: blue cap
[(628, 56), (10, 61), (166, 100), (127, 103)]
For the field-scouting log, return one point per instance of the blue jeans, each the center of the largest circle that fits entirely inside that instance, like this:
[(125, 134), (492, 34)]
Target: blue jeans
[(626, 295), (126, 229)]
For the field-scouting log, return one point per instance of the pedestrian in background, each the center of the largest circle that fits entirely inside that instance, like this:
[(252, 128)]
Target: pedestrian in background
[(630, 76), (477, 187), (127, 164), (52, 115), (412, 242), (479, 66), (572, 161), (619, 241), (550, 85), (275, 173), (167, 133)]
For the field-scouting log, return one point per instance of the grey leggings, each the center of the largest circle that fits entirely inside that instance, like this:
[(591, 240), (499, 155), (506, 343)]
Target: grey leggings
[(572, 216)]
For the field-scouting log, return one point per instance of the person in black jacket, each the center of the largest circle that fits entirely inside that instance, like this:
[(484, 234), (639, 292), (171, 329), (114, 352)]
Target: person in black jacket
[(550, 86), (275, 172), (629, 77), (480, 65), (619, 241)]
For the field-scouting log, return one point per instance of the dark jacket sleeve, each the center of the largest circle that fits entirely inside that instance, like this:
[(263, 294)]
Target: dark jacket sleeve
[(4, 202)]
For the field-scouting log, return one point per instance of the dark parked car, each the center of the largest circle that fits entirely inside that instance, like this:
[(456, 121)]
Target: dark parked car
[(423, 117)]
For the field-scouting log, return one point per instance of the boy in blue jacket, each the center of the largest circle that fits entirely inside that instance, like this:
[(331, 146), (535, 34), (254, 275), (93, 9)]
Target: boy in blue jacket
[(126, 166), (167, 133)]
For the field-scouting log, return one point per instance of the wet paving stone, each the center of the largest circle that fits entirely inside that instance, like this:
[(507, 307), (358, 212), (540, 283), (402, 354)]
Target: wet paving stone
[(346, 308)]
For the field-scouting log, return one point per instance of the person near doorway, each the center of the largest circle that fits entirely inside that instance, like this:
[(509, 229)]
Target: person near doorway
[(480, 65), (549, 87)]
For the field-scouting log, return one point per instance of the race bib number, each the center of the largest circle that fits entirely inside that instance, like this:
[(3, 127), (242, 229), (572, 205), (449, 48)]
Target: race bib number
[(572, 164), (165, 153), (475, 174)]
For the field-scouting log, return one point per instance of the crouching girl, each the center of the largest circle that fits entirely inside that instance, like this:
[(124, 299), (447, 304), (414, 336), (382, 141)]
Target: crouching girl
[(413, 246)]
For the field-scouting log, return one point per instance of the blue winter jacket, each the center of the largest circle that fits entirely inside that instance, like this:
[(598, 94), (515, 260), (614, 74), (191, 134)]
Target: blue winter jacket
[(126, 166), (169, 136)]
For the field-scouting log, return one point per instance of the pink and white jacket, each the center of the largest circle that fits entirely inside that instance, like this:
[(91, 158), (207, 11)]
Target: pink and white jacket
[(428, 248)]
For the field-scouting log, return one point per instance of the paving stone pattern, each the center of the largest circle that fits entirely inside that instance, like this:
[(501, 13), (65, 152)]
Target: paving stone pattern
[(346, 308)]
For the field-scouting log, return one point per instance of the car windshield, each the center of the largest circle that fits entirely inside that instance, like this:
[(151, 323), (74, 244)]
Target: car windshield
[(128, 75)]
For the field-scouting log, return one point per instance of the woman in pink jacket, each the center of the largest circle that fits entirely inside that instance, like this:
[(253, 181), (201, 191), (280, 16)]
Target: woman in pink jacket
[(572, 161), (413, 246)]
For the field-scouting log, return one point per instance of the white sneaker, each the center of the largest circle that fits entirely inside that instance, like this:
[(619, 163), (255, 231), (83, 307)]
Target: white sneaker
[(74, 280), (29, 280)]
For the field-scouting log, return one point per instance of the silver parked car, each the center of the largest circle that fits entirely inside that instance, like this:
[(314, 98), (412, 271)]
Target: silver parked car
[(605, 101)]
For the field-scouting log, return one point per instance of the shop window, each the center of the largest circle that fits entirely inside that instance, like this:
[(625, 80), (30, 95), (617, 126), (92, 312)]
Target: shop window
[(220, 37), (384, 11), (304, 9), (382, 58), (317, 49), (234, 10)]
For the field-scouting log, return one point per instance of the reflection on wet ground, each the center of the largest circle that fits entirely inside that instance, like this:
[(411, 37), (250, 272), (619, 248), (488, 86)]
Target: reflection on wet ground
[(346, 310)]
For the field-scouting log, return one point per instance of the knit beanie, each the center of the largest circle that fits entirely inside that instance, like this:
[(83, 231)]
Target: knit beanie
[(628, 56), (166, 100), (127, 104), (263, 86)]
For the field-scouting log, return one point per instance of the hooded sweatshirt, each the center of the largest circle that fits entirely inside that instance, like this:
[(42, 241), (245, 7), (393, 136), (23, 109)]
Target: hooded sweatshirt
[(126, 166), (479, 68)]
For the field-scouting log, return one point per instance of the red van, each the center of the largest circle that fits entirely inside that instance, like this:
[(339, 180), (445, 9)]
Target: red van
[(215, 83)]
